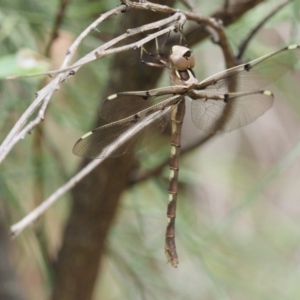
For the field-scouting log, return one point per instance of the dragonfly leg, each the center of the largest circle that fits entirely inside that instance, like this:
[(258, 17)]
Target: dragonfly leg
[(148, 63)]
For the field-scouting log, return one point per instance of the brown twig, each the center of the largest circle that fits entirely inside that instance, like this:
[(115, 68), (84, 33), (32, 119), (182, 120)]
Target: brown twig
[(255, 30), (215, 24)]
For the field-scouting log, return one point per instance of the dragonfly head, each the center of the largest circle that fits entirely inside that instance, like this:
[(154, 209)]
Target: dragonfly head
[(182, 58)]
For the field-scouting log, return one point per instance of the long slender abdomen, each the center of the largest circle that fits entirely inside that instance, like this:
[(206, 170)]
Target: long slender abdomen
[(177, 120)]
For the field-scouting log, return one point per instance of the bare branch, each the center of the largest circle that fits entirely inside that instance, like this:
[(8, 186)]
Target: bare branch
[(102, 50), (38, 211), (44, 95), (215, 24), (255, 30)]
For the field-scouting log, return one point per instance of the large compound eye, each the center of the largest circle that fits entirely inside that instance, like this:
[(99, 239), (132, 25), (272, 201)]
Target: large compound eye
[(182, 58)]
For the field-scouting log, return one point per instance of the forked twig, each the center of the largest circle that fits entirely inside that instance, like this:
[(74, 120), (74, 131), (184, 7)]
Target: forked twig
[(44, 95), (213, 23)]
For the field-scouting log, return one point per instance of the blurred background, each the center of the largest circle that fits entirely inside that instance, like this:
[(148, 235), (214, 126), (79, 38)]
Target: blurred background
[(238, 213)]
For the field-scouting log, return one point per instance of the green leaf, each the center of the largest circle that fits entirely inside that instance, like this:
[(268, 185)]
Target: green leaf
[(24, 62)]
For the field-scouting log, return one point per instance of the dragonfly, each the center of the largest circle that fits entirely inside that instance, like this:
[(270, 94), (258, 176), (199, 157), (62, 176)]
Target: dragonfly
[(221, 103)]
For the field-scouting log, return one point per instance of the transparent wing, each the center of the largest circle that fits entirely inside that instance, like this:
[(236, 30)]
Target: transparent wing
[(121, 137), (238, 110), (125, 104), (254, 75)]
